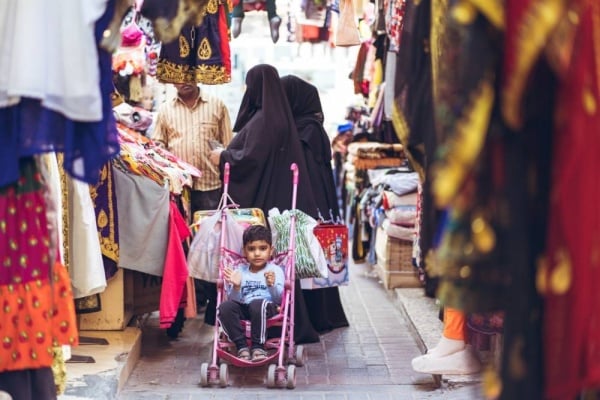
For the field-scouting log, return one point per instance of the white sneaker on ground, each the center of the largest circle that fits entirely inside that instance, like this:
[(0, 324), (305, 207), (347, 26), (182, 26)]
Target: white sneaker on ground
[(463, 362), (446, 347), (4, 395)]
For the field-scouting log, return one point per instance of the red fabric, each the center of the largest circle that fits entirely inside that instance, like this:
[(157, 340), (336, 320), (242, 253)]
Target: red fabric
[(176, 271), (224, 35), (572, 318)]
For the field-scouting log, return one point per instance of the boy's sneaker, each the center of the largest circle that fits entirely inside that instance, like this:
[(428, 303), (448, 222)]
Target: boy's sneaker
[(244, 354), (258, 354)]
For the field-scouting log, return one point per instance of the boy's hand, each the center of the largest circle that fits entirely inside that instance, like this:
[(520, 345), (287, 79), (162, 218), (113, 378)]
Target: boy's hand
[(233, 277), (270, 278)]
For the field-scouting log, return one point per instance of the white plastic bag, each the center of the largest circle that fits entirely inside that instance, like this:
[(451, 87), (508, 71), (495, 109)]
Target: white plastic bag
[(204, 254)]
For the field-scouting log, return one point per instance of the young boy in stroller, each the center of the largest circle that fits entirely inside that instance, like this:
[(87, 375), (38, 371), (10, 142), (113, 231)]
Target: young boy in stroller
[(254, 293)]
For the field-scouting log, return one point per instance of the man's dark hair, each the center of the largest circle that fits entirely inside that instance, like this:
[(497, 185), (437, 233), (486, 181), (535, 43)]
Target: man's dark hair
[(257, 232)]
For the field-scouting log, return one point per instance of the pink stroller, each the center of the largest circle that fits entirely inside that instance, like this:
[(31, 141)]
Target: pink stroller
[(223, 353)]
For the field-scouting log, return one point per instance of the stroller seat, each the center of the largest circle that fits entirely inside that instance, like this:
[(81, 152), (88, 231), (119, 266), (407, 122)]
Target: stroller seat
[(283, 354)]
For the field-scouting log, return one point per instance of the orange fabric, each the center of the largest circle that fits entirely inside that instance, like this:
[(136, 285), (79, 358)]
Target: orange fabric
[(35, 316), (190, 309), (454, 324)]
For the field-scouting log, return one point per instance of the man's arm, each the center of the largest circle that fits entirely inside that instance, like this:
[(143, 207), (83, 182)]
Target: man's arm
[(225, 126), (160, 134)]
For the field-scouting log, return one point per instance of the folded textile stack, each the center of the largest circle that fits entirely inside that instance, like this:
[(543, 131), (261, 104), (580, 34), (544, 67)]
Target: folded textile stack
[(396, 232), (370, 155)]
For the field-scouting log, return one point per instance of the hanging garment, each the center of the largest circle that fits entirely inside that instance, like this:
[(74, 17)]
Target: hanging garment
[(86, 267), (201, 54), (104, 196), (176, 271), (569, 276), (38, 308), (143, 208), (29, 128), (413, 109), (67, 79)]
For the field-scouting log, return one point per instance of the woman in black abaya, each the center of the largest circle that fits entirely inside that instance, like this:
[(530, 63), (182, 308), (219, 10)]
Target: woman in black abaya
[(324, 305), (260, 155)]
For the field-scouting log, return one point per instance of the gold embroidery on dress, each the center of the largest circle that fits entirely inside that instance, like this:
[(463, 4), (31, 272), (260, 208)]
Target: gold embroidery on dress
[(102, 219), (493, 11), (204, 50), (169, 72), (108, 245), (184, 47), (403, 132), (212, 74), (439, 22), (533, 31), (212, 7), (464, 145)]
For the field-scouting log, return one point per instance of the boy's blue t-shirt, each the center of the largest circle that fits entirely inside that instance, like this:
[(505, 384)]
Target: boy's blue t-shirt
[(254, 285)]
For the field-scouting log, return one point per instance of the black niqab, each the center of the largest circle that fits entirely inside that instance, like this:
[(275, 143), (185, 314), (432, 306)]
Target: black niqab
[(264, 147), (307, 111)]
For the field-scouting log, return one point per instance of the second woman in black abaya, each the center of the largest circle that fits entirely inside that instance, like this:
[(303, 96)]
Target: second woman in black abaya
[(324, 305)]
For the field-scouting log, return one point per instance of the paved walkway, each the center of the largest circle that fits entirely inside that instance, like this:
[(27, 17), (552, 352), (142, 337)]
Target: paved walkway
[(368, 360)]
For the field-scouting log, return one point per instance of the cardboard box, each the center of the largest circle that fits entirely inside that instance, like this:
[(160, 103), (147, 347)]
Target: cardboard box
[(394, 262), (117, 305)]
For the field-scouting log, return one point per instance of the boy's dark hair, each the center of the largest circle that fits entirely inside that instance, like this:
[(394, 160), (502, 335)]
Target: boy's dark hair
[(257, 232)]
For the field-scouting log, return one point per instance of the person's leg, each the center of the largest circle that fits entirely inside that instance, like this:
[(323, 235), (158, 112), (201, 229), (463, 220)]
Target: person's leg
[(453, 336), (451, 355), (271, 7), (207, 291), (230, 314), (274, 19), (260, 310), (205, 200), (28, 384)]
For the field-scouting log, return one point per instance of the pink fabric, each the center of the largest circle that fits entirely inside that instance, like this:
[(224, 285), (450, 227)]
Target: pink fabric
[(176, 272), (132, 35)]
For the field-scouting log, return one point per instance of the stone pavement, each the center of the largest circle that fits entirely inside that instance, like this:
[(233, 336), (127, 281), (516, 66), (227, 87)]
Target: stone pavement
[(368, 360)]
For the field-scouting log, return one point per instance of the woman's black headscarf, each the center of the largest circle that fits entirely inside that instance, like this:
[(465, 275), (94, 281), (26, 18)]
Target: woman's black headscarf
[(307, 111), (265, 145)]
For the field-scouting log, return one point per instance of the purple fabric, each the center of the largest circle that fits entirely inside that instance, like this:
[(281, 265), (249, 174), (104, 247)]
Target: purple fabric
[(28, 128)]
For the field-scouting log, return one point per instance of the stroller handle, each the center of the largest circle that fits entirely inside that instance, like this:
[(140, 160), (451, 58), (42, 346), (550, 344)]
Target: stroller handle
[(294, 169), (226, 173)]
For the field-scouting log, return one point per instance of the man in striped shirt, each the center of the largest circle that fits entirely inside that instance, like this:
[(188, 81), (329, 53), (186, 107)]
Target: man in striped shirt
[(186, 125)]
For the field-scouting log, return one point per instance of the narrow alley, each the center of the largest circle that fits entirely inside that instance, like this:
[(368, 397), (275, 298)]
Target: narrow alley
[(368, 360)]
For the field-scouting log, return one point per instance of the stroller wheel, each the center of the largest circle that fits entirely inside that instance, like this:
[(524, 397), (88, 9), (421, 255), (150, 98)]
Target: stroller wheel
[(300, 356), (291, 376), (271, 372), (223, 375), (204, 375)]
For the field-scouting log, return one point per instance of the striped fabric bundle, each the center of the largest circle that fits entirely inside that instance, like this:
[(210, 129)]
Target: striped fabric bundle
[(310, 260)]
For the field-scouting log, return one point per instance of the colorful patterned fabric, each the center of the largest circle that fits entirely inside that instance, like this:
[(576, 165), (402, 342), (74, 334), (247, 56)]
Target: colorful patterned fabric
[(28, 128), (201, 54), (37, 309)]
